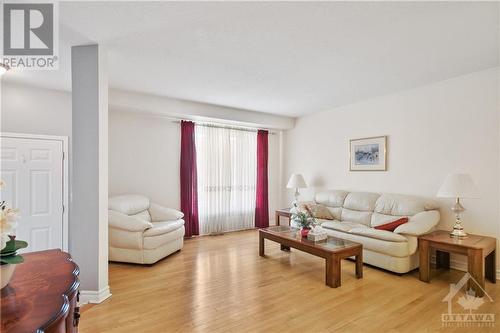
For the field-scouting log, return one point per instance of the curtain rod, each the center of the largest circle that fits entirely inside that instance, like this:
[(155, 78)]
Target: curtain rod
[(239, 128)]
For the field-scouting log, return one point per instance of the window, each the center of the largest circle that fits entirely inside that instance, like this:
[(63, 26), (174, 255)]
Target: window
[(227, 161)]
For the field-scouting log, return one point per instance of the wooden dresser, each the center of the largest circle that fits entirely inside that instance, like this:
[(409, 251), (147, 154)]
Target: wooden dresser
[(42, 295)]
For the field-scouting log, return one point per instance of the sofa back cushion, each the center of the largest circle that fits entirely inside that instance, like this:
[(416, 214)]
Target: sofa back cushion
[(402, 205), (356, 216), (361, 201), (333, 200), (390, 207), (358, 207), (372, 209), (128, 204)]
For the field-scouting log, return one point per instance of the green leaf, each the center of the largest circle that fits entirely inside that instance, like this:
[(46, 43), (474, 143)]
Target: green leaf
[(4, 254), (17, 259), (13, 246)]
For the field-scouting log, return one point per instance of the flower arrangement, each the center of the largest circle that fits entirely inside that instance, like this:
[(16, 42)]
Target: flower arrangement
[(8, 243), (303, 218)]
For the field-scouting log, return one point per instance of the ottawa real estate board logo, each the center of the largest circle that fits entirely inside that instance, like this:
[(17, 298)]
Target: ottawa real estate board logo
[(464, 305), (30, 35)]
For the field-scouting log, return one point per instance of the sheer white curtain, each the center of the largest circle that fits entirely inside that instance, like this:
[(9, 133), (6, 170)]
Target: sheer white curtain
[(227, 162)]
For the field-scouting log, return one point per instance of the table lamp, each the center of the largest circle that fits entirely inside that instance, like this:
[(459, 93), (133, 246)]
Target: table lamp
[(458, 186), (296, 181)]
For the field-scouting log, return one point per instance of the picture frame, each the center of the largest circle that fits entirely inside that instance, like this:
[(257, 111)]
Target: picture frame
[(368, 154)]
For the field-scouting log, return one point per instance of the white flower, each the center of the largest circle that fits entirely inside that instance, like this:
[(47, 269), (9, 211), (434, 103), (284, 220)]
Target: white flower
[(4, 238), (8, 225)]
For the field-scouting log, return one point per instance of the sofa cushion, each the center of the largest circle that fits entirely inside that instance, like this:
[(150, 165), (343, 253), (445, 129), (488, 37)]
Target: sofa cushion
[(129, 204), (356, 216), (342, 226), (393, 249), (402, 205), (362, 201), (336, 212), (378, 234), (380, 219), (163, 228), (317, 210), (334, 198)]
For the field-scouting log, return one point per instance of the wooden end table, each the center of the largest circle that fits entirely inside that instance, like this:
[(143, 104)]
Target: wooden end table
[(285, 212), (480, 251), (332, 249)]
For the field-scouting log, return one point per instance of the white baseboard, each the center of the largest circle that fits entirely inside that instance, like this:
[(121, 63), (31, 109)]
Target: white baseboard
[(94, 297), (459, 265)]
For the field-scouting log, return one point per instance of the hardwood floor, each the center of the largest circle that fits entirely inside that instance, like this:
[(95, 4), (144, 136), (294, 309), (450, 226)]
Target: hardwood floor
[(220, 284)]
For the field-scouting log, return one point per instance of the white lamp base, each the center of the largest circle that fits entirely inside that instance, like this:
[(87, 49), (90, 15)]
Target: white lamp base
[(458, 230)]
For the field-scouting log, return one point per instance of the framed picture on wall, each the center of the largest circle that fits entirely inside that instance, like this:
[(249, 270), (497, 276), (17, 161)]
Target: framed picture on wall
[(368, 154)]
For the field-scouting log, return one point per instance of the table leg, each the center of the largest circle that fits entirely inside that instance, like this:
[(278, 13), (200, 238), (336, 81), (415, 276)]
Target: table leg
[(442, 259), (261, 245), (491, 267), (359, 265), (285, 248), (476, 269), (277, 219), (333, 271), (424, 268)]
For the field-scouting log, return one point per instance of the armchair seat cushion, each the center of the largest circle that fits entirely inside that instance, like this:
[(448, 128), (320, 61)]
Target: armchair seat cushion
[(160, 228)]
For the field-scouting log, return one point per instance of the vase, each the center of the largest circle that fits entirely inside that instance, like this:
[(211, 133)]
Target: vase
[(304, 232), (6, 271)]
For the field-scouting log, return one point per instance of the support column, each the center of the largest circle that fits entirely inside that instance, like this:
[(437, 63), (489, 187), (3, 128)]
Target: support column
[(88, 224)]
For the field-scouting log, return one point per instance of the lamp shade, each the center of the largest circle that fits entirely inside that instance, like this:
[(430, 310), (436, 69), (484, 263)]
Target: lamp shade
[(458, 185), (296, 181)]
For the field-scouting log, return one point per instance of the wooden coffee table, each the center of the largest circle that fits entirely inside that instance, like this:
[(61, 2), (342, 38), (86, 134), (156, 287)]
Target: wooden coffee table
[(332, 249)]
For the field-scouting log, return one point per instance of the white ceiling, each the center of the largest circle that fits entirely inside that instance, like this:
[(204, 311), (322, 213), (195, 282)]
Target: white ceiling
[(283, 58)]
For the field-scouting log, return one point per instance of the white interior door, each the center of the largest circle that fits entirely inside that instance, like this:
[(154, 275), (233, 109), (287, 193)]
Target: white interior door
[(33, 172)]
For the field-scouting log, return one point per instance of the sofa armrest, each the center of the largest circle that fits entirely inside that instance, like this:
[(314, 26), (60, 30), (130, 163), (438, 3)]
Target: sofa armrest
[(160, 214), (419, 224), (125, 222)]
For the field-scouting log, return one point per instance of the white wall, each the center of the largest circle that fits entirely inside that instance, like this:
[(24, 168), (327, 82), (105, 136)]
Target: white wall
[(26, 109), (158, 105), (144, 156), (138, 140), (445, 127)]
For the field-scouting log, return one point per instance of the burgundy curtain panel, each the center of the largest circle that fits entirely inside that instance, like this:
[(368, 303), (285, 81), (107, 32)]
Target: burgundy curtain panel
[(262, 200), (189, 191)]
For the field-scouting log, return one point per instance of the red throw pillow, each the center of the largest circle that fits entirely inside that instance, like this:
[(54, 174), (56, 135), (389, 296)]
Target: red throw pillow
[(392, 225)]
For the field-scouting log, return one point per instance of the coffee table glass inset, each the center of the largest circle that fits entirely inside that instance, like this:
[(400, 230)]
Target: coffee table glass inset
[(332, 249)]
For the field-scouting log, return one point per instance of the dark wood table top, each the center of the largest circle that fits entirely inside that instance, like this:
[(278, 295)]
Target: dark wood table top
[(38, 293), (472, 241), (330, 245)]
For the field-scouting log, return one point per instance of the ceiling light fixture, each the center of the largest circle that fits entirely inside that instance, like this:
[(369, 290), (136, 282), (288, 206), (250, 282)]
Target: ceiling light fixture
[(3, 68)]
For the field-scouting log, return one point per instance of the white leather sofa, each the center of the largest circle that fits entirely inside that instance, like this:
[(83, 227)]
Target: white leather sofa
[(357, 213), (142, 232)]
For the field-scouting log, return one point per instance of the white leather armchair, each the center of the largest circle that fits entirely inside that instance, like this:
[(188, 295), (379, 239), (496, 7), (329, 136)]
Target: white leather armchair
[(142, 232)]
